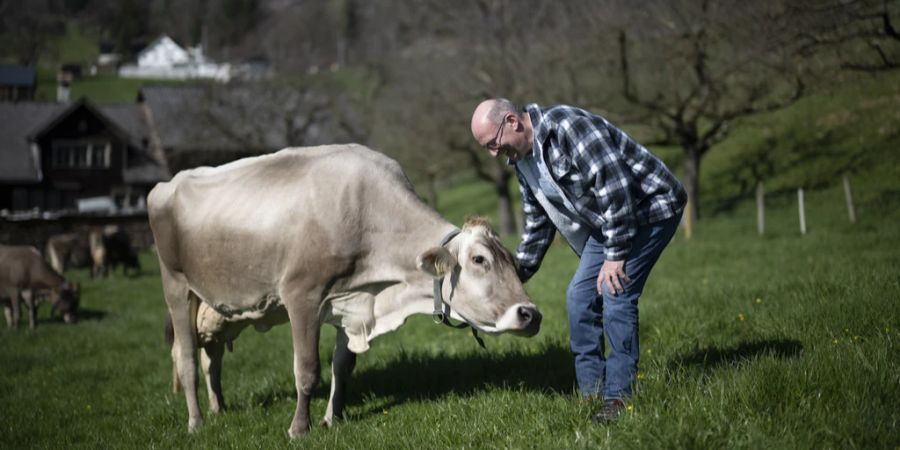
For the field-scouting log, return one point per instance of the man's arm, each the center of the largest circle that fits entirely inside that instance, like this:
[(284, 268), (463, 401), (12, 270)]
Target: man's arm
[(607, 179), (537, 236)]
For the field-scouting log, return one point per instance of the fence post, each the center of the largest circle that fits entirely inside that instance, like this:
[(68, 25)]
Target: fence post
[(688, 220), (760, 208), (851, 211), (802, 211)]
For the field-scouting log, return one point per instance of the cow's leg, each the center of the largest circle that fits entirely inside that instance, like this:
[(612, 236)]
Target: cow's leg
[(7, 307), (303, 311), (341, 367), (13, 316), (211, 361), (183, 311), (30, 298)]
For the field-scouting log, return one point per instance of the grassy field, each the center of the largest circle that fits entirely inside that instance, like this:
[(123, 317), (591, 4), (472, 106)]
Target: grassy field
[(779, 341)]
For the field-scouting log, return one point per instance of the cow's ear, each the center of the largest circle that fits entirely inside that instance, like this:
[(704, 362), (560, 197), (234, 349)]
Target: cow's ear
[(436, 261)]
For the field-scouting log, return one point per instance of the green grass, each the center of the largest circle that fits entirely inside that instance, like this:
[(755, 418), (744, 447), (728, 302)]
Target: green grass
[(779, 341), (812, 365)]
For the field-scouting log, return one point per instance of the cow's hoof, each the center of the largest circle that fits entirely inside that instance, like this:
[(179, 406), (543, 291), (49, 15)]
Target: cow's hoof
[(194, 425), (295, 432), (331, 421)]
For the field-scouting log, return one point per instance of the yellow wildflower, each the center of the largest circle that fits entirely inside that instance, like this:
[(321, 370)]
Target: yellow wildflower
[(834, 341), (630, 408), (758, 300), (640, 376), (741, 317)]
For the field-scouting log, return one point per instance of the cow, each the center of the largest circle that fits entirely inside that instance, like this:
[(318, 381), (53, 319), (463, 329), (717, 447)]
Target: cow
[(67, 250), (110, 248), (331, 234), (24, 276)]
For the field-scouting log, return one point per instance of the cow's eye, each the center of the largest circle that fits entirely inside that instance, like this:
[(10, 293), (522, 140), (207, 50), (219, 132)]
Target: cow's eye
[(478, 259)]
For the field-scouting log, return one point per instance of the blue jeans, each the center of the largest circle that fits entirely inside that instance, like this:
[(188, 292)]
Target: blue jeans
[(590, 314)]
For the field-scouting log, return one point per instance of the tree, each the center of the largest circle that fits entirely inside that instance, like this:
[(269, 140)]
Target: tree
[(701, 65), (862, 35), (467, 51), (26, 29)]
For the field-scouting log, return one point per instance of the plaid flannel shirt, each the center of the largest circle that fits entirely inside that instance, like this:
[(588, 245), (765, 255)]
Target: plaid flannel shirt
[(614, 183)]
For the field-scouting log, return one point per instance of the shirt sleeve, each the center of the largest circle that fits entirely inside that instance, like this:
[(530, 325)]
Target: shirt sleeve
[(537, 236), (599, 157)]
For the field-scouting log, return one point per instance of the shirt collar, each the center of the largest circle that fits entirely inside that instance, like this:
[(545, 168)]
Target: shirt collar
[(539, 129), (539, 132)]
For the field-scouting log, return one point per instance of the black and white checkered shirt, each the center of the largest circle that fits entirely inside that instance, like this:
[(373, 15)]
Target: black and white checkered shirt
[(614, 183)]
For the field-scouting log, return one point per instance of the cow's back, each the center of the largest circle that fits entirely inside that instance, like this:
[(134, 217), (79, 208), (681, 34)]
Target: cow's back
[(234, 230), (23, 267)]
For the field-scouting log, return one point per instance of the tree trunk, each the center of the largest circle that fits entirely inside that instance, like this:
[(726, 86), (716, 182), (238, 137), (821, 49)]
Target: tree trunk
[(692, 182), (504, 203)]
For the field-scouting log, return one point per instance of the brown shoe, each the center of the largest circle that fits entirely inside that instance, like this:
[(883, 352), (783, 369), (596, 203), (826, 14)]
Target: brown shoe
[(609, 412)]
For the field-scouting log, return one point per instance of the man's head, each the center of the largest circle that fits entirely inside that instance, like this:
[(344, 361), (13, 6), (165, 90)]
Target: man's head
[(502, 129)]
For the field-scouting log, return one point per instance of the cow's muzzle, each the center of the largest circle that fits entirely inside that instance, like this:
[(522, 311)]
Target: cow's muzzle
[(530, 320), (522, 319)]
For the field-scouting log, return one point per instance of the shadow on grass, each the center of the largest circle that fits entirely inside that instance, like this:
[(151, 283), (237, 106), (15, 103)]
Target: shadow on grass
[(83, 314), (90, 314), (711, 357), (412, 377), (417, 377)]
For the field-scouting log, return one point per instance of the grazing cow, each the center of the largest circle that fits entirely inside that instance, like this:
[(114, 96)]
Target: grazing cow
[(330, 234), (111, 248), (24, 275), (67, 250)]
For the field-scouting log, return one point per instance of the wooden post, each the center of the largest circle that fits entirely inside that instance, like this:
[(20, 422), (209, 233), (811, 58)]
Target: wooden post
[(802, 211), (688, 220), (760, 208), (851, 211)]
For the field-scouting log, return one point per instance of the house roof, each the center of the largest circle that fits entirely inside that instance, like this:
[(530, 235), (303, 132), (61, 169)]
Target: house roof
[(128, 118), (23, 122), (14, 75), (121, 123), (17, 122)]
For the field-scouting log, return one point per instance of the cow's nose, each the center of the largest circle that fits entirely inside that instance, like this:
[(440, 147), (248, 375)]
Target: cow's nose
[(528, 314)]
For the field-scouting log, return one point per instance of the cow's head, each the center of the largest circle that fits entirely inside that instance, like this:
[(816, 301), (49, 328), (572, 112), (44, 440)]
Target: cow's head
[(66, 300), (480, 283)]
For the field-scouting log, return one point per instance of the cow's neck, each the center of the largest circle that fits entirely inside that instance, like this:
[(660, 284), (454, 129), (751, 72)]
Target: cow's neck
[(43, 277), (414, 294)]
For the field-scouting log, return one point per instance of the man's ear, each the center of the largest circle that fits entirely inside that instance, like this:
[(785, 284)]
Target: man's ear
[(436, 261)]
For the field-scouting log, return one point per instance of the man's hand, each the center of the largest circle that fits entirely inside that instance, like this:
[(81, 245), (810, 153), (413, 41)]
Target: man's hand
[(611, 273)]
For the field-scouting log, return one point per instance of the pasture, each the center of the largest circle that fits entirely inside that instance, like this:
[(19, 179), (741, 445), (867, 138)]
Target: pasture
[(747, 341), (779, 341)]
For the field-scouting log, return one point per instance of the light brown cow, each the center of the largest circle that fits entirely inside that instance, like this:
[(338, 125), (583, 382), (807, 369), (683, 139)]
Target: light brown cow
[(23, 276), (330, 234), (69, 249)]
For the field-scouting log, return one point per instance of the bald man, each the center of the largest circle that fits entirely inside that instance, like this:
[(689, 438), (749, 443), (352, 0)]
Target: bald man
[(616, 204)]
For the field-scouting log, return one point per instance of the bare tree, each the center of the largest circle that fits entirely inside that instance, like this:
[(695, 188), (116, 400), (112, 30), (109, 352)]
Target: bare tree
[(471, 50), (862, 35), (701, 65), (26, 29)]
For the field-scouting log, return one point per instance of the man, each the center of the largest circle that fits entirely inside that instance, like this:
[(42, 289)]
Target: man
[(616, 204)]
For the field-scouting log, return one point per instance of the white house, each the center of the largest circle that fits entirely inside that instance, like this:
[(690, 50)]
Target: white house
[(165, 59)]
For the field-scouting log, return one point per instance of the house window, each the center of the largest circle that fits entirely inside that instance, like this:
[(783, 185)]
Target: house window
[(81, 155)]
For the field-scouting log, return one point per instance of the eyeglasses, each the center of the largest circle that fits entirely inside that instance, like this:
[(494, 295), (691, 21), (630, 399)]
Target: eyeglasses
[(494, 143)]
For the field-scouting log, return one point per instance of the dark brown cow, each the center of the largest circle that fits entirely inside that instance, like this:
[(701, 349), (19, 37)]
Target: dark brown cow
[(24, 275)]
